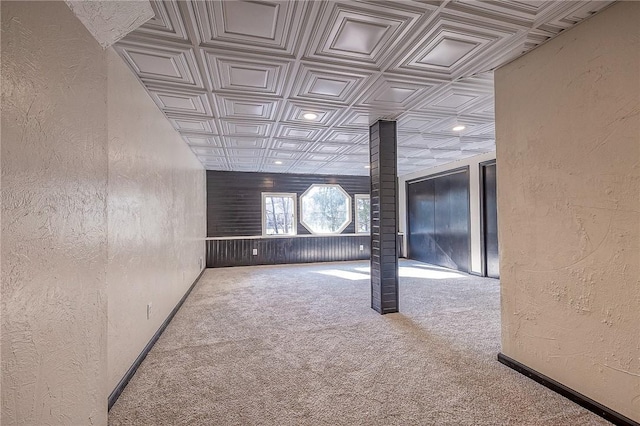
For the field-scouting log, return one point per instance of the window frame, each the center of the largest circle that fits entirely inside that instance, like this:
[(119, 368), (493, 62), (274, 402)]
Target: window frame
[(349, 209), (357, 197), (292, 195)]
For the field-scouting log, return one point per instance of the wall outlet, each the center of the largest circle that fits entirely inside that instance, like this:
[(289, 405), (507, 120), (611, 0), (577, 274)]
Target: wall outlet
[(361, 247), (200, 263), (255, 252), (149, 310)]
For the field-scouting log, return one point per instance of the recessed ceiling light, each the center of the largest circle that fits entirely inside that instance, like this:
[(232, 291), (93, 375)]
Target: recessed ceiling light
[(310, 116), (367, 166), (458, 128), (278, 162)]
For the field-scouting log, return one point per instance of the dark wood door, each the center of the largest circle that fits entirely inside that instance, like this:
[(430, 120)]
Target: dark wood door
[(490, 222), (438, 223)]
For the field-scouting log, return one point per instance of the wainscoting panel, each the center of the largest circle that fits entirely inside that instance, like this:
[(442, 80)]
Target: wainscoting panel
[(271, 251)]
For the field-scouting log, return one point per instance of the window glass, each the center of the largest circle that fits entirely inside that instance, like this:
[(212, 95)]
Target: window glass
[(325, 209), (363, 213), (278, 214)]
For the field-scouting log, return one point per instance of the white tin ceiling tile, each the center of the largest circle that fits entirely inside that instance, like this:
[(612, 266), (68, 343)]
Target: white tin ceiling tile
[(360, 34), (253, 153), (161, 64), (413, 152), (346, 136), (276, 168), (298, 132), (485, 129), (307, 164), (188, 124), (244, 142), (240, 75), (360, 160), (246, 75), (316, 83), (295, 111), (246, 128), (562, 15), (167, 22), (249, 25), (244, 160), (181, 101), (231, 107), (360, 149), (394, 93), (207, 151), (291, 145), (338, 171), (201, 140), (435, 141), (355, 118), (416, 122), (452, 101), (215, 161), (451, 43), (448, 154), (281, 155), (318, 157), (328, 148)]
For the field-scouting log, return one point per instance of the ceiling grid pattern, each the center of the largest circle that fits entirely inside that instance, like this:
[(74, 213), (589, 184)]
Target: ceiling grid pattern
[(236, 78)]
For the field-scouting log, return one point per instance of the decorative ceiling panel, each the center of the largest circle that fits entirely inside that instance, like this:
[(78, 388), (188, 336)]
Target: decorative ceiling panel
[(245, 75), (245, 142), (188, 124), (245, 128), (328, 84), (247, 108), (360, 34), (292, 86), (167, 22), (181, 101), (201, 140), (298, 132), (162, 64), (249, 25)]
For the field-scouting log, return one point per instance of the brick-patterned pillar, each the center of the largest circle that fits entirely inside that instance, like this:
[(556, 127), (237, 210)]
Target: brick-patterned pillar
[(384, 219)]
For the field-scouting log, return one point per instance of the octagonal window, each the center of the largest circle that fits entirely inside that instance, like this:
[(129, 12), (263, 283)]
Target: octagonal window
[(325, 209)]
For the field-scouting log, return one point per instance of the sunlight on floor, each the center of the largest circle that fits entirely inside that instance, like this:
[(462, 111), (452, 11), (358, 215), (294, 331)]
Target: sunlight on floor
[(353, 276), (418, 271)]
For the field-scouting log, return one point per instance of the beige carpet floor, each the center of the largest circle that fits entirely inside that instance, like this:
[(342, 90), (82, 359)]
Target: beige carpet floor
[(299, 345)]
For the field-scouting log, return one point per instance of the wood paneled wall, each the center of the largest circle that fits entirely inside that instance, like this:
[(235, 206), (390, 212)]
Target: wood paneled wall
[(272, 251), (234, 198), (234, 209), (438, 222)]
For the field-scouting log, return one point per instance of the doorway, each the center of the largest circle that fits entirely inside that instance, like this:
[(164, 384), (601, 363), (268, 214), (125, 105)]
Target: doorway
[(489, 220)]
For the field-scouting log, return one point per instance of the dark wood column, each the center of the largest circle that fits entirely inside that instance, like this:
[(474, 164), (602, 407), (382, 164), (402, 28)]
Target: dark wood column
[(384, 219)]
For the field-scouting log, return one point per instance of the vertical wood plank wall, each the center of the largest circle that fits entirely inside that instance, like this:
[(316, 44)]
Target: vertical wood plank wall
[(438, 220), (234, 221), (273, 251), (234, 198)]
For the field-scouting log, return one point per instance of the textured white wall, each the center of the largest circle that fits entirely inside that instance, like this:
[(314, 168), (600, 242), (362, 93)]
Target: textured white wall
[(474, 200), (109, 21), (568, 149), (156, 216), (54, 239), (100, 198)]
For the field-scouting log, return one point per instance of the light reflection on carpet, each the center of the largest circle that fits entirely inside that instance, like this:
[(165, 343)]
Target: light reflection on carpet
[(427, 272)]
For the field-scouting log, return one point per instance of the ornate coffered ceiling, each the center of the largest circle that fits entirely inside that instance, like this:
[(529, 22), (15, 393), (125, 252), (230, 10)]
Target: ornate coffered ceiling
[(236, 78)]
